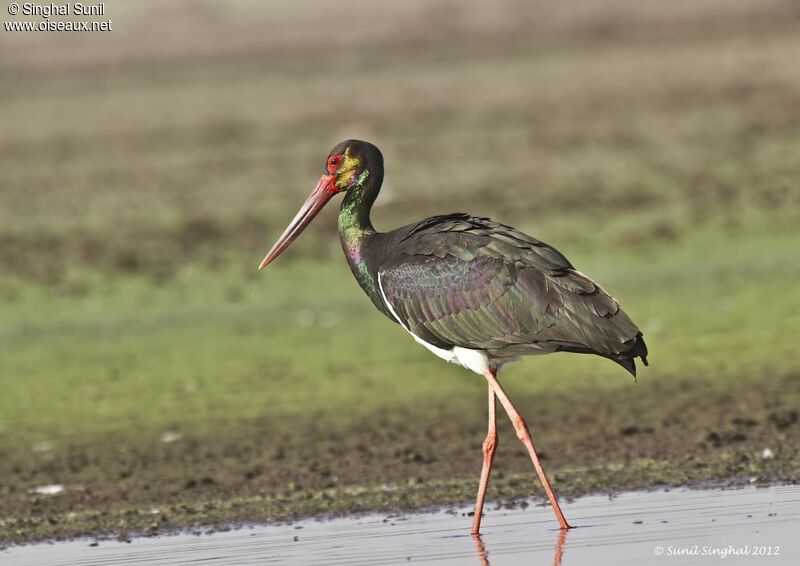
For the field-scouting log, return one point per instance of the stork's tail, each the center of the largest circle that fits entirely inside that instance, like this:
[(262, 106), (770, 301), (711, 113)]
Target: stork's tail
[(627, 358)]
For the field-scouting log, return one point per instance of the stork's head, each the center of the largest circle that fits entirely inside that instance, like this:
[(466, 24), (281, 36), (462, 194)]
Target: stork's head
[(347, 168)]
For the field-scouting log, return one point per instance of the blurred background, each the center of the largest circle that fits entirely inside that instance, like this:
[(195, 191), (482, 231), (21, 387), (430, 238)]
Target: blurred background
[(145, 171)]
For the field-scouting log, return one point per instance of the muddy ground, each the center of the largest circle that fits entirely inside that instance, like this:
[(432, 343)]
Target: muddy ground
[(674, 432)]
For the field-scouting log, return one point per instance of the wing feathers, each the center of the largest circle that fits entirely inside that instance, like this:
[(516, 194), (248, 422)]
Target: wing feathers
[(462, 281)]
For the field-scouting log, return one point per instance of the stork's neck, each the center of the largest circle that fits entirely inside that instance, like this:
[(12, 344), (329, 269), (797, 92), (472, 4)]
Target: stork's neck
[(354, 222), (356, 232)]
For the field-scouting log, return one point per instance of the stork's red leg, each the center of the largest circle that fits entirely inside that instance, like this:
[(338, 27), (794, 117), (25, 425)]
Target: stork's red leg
[(489, 448), (525, 437)]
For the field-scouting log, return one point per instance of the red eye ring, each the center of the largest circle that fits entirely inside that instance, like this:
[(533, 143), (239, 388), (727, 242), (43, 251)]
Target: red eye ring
[(333, 162)]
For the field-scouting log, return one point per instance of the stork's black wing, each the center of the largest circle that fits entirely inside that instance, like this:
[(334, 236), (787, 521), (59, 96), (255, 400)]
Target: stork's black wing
[(462, 281)]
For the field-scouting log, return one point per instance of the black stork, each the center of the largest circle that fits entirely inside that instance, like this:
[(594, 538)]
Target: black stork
[(472, 291)]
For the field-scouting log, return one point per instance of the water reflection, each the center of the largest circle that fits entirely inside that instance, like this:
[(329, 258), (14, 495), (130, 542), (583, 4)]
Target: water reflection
[(483, 555), (625, 530), (560, 542)]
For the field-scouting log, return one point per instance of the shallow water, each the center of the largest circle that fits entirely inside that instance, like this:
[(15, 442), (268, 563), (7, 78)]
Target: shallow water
[(664, 527)]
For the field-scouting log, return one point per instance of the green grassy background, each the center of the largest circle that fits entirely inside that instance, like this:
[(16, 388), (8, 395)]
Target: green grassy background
[(144, 173), (223, 345)]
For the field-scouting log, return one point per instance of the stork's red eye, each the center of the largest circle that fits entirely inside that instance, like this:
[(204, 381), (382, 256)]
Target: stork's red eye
[(333, 163)]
